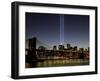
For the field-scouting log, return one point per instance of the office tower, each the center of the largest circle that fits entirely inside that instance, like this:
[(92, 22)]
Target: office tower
[(68, 46), (81, 49), (75, 48), (61, 47), (54, 47), (88, 49)]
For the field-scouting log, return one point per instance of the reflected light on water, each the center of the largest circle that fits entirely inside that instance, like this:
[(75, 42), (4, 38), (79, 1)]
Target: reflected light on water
[(54, 63)]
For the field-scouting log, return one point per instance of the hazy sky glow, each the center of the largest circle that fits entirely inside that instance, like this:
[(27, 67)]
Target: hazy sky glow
[(46, 27)]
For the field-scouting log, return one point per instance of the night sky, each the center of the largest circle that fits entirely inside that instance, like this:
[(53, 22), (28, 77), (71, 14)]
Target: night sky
[(46, 27)]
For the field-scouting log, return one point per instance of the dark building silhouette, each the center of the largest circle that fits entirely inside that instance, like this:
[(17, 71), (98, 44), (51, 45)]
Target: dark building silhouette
[(75, 48), (81, 53), (41, 48), (32, 43), (88, 49), (68, 46), (61, 47), (81, 50), (54, 47)]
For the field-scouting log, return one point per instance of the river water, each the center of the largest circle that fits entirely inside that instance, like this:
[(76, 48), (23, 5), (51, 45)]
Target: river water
[(61, 62)]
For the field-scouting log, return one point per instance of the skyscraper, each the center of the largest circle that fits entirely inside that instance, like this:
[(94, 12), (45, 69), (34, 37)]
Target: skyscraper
[(61, 47), (68, 46), (54, 47), (75, 48)]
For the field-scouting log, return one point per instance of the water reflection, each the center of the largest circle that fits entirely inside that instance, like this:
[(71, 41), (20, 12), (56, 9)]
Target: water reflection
[(57, 62)]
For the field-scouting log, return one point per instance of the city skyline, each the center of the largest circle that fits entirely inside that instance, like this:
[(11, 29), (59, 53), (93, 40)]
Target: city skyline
[(46, 27)]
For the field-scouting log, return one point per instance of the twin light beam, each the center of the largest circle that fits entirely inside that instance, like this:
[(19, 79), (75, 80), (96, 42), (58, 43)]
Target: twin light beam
[(61, 29)]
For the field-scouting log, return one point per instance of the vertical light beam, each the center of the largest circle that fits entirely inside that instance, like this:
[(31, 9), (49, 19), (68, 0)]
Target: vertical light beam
[(61, 29)]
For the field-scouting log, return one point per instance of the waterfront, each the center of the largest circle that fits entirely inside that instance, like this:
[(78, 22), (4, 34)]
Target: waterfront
[(59, 62), (57, 56)]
